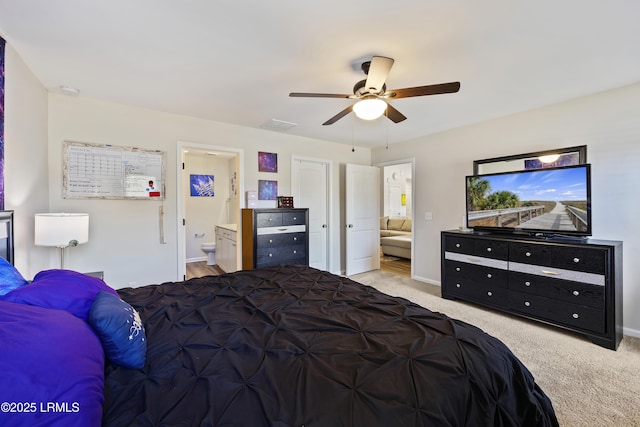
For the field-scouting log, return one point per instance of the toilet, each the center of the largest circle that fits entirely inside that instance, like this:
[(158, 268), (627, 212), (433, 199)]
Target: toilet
[(210, 250)]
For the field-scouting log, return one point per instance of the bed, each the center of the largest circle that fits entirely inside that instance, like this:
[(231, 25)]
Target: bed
[(279, 346)]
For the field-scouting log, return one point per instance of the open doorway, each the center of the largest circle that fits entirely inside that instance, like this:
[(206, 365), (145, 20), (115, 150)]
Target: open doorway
[(209, 188), (396, 219)]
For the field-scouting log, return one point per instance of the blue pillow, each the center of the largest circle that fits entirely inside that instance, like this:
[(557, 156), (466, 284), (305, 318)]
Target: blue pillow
[(120, 330), (10, 277), (62, 290)]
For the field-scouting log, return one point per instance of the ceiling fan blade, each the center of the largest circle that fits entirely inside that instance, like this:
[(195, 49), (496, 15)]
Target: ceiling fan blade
[(394, 115), (318, 95), (338, 116), (378, 72), (423, 90)]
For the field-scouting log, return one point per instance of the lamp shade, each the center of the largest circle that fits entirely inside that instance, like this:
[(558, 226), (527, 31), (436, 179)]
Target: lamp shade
[(549, 159), (370, 108), (60, 229)]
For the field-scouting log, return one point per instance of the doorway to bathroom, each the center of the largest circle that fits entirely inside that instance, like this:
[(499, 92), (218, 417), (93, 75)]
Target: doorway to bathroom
[(209, 189)]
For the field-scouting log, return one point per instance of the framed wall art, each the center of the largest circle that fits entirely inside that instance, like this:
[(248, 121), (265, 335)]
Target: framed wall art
[(267, 162), (267, 190), (201, 185)]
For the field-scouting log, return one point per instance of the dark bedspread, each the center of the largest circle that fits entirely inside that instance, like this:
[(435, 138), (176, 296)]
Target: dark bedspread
[(295, 346)]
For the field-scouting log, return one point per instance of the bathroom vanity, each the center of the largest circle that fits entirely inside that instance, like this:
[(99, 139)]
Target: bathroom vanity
[(226, 247)]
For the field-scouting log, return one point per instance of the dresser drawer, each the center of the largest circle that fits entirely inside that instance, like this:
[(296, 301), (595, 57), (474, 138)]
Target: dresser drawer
[(293, 218), (280, 255), (530, 253), (572, 315), (579, 259), (468, 288), (565, 290), (459, 245), (273, 240), (268, 219), (491, 249), (478, 273)]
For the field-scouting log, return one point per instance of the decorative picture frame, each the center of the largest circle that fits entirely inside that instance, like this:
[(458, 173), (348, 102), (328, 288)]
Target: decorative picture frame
[(201, 185), (267, 162), (267, 189)]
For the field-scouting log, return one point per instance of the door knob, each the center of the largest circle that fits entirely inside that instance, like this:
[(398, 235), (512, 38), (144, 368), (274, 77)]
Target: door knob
[(350, 226)]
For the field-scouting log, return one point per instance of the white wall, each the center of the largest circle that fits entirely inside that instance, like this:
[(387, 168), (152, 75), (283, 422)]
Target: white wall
[(203, 213), (608, 123), (124, 239), (26, 176)]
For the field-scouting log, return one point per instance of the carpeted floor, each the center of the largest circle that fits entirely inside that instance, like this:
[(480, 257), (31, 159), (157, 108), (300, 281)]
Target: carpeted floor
[(588, 385)]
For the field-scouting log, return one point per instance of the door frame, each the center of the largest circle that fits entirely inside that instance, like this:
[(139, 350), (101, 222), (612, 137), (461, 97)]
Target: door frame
[(180, 200), (411, 160)]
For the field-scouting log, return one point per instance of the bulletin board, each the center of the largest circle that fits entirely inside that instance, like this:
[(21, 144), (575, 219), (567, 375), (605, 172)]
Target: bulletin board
[(102, 171)]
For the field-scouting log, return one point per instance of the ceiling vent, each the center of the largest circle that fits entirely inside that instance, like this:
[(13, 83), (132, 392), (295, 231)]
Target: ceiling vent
[(279, 125)]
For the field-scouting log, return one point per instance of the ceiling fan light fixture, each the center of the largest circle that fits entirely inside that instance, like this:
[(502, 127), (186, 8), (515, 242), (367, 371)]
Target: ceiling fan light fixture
[(549, 158), (370, 108)]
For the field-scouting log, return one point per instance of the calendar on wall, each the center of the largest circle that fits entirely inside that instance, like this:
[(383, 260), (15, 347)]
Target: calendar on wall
[(102, 171)]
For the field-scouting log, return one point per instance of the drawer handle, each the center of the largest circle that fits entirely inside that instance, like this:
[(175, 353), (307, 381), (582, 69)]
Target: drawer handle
[(576, 260), (555, 273), (270, 241), (457, 285), (269, 219), (576, 293), (527, 304), (295, 252), (527, 254), (490, 293), (457, 245), (527, 283), (295, 218), (575, 315), (270, 255), (488, 249), (295, 239), (457, 268), (489, 276)]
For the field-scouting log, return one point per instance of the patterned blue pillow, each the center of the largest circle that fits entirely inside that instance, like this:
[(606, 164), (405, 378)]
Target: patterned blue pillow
[(10, 277), (120, 330)]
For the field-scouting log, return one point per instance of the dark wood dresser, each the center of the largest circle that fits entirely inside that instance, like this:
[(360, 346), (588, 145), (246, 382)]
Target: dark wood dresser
[(572, 283), (274, 236)]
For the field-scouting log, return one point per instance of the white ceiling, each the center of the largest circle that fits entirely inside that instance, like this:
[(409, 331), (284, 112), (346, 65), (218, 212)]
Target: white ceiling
[(236, 61)]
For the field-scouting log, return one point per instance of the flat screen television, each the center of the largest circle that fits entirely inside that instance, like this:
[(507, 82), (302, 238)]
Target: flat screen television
[(543, 202)]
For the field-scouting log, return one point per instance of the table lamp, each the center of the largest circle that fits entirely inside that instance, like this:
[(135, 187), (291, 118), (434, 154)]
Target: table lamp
[(61, 230)]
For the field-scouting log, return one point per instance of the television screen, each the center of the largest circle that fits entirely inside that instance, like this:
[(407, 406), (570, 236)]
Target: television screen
[(546, 201)]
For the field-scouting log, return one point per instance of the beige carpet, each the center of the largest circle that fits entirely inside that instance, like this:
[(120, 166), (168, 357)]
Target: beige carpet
[(588, 385)]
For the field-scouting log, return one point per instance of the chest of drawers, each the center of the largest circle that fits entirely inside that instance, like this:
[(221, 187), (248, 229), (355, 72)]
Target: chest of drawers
[(274, 236), (574, 284)]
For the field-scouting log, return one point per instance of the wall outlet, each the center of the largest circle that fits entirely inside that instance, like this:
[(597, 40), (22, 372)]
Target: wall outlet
[(428, 216)]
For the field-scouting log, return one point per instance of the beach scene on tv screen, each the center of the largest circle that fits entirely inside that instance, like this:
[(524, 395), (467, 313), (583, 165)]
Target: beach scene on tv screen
[(553, 200)]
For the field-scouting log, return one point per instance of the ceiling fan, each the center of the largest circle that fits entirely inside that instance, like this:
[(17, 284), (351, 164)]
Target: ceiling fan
[(372, 93)]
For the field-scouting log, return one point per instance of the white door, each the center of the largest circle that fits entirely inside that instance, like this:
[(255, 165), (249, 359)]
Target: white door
[(362, 218), (310, 187)]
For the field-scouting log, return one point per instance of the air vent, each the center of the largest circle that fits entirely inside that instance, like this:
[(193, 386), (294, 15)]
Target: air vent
[(279, 125)]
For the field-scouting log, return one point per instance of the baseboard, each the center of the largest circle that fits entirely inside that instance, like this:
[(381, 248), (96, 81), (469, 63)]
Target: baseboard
[(427, 280), (631, 332), (198, 259)]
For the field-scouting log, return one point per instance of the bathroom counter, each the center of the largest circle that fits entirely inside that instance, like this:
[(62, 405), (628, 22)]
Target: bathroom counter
[(230, 227)]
